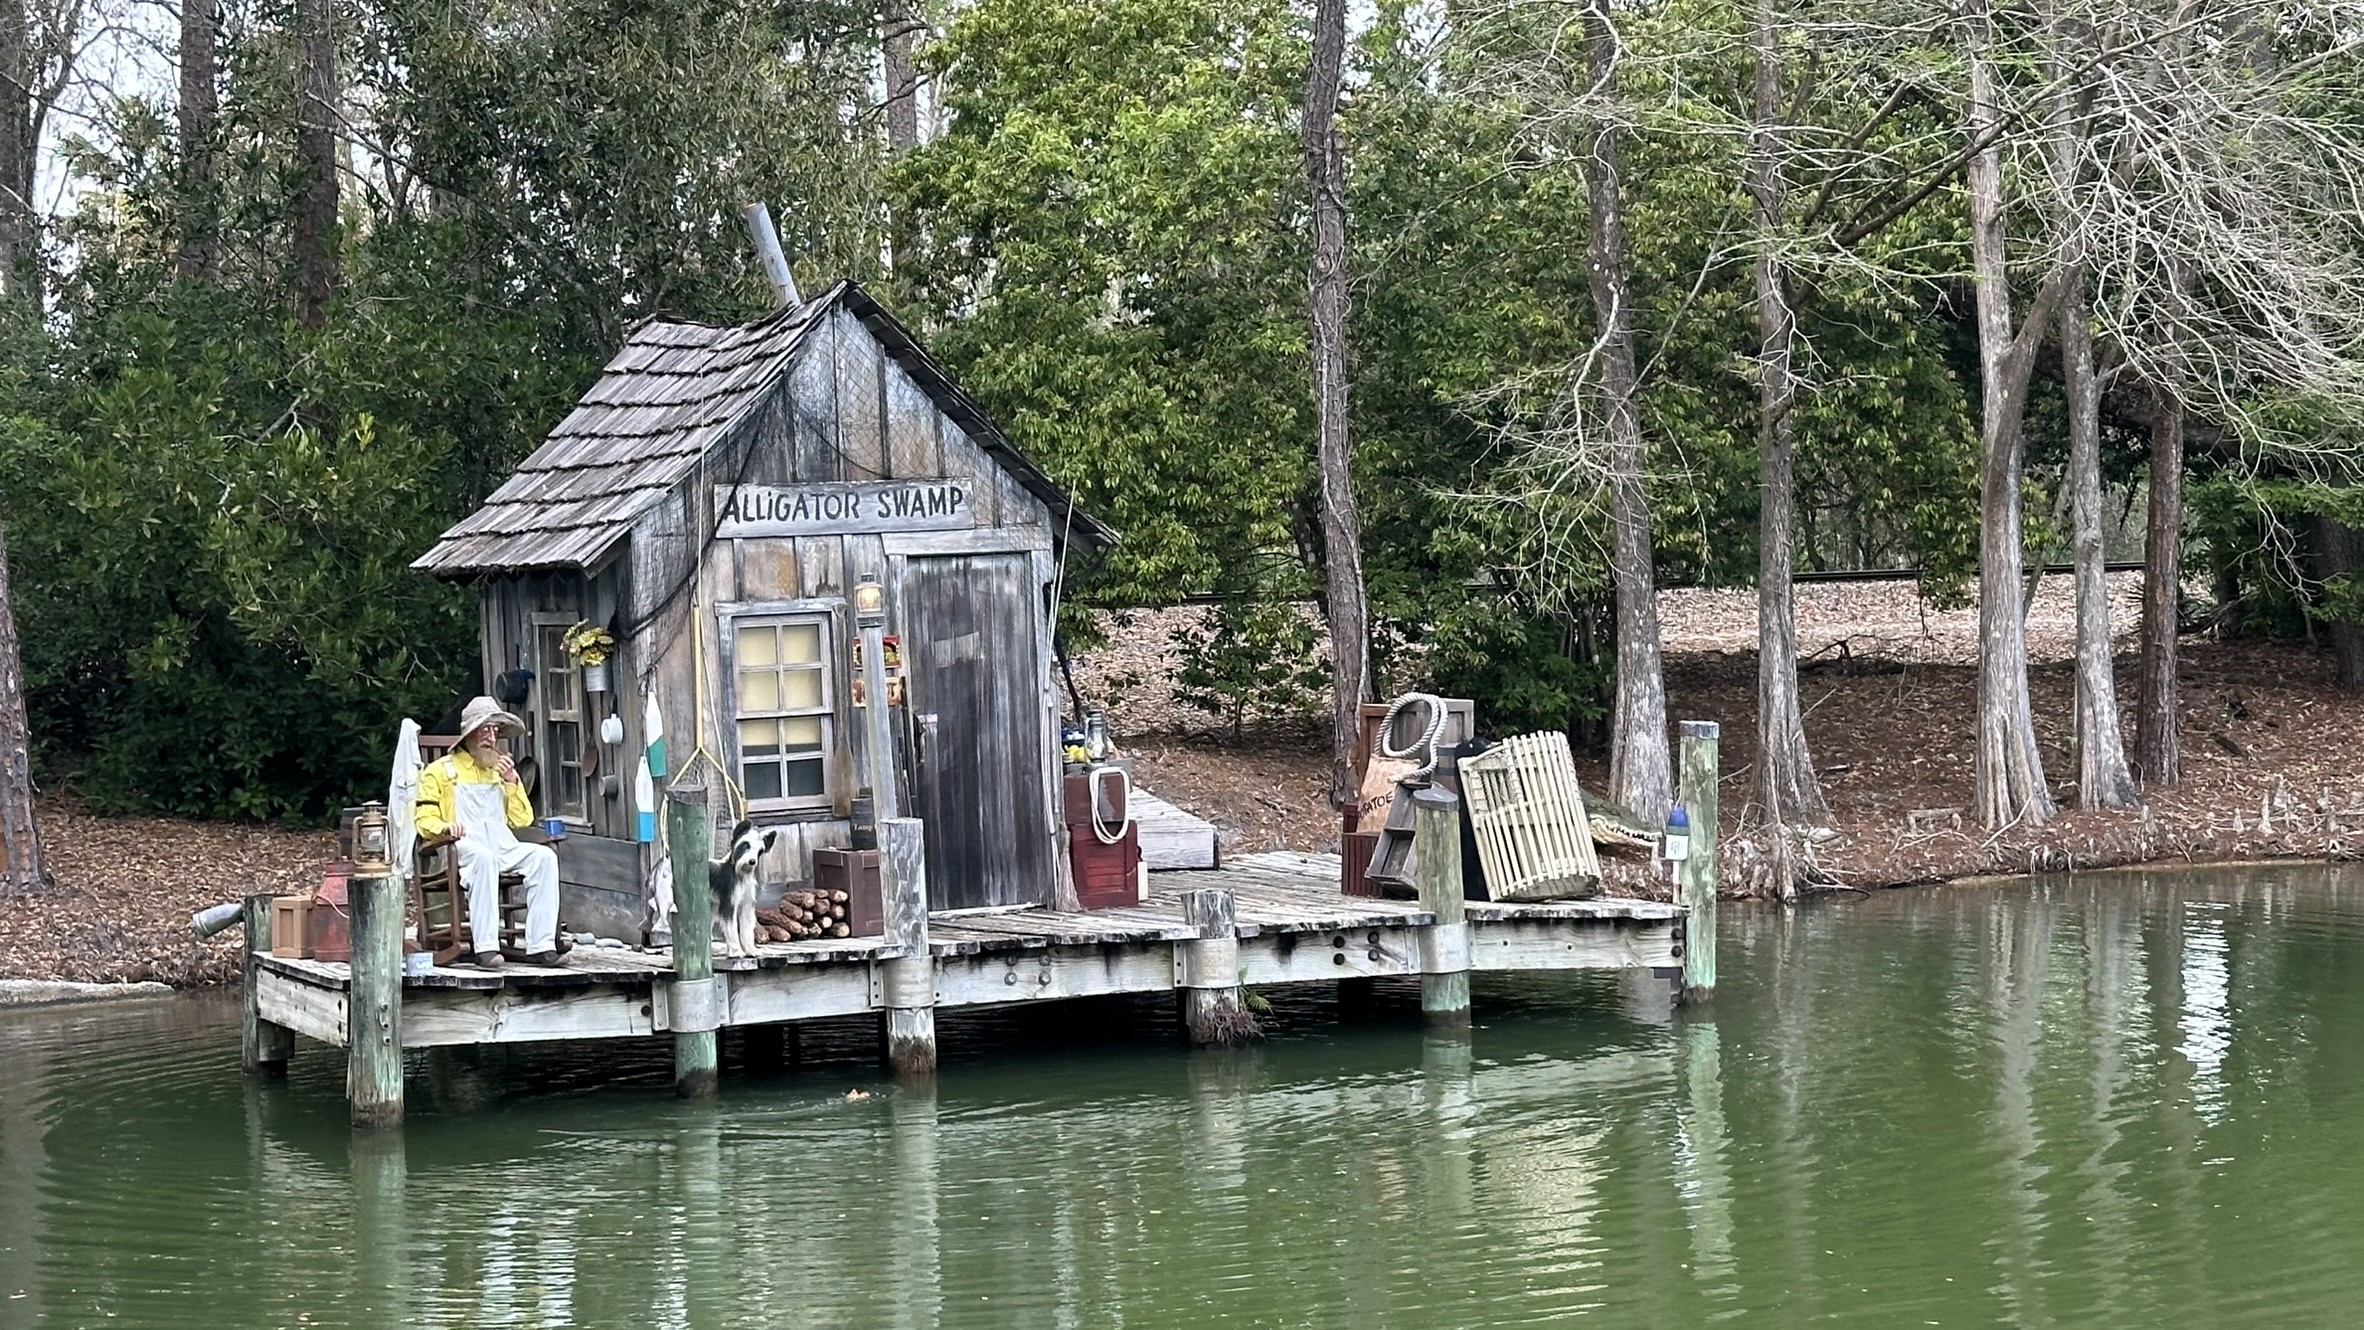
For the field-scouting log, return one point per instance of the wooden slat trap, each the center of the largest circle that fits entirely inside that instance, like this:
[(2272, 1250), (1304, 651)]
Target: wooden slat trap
[(1532, 835)]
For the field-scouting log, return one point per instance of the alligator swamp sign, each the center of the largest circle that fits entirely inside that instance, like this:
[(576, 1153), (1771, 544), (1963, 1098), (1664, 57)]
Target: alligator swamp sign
[(844, 508)]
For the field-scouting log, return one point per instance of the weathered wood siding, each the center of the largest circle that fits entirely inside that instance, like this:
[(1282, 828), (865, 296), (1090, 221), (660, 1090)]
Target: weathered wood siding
[(844, 411)]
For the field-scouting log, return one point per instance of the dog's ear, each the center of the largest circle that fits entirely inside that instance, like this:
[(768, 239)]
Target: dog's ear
[(740, 831), (771, 837)]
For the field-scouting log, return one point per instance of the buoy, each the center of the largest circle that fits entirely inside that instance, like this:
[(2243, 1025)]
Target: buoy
[(644, 797), (1677, 845), (654, 724)]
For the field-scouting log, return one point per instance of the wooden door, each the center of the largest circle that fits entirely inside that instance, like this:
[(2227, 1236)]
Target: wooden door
[(977, 719)]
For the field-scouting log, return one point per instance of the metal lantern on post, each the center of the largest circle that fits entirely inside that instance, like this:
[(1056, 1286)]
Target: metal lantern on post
[(870, 619), (373, 854)]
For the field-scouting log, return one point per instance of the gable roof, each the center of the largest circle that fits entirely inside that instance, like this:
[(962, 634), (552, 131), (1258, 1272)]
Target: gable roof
[(674, 391)]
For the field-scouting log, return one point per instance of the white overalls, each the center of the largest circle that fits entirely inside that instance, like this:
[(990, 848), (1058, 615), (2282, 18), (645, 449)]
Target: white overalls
[(489, 850)]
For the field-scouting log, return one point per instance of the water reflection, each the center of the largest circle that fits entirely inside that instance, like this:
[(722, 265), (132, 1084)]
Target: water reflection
[(2124, 1100)]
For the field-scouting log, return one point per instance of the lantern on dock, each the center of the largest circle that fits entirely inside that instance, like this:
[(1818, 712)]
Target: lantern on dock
[(869, 605), (372, 851)]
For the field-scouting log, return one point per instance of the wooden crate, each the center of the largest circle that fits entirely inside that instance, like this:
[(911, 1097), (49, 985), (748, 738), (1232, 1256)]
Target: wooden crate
[(1107, 877), (854, 872), (289, 919), (1354, 862)]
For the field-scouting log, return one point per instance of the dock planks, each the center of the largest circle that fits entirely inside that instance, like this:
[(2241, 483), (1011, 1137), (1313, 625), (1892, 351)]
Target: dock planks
[(1292, 925)]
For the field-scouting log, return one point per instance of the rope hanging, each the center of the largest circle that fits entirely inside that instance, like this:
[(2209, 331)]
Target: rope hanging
[(1426, 743)]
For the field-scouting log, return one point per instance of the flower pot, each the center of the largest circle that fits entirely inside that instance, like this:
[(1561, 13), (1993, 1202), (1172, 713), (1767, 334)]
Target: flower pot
[(595, 678)]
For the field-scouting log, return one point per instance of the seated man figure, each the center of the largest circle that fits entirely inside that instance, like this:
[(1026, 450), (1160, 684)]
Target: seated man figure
[(474, 793)]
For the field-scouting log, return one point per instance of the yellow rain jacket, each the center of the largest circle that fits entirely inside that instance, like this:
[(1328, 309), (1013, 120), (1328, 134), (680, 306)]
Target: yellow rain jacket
[(439, 801)]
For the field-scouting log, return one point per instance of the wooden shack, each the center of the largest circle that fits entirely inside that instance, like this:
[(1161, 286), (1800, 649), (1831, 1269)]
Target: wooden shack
[(712, 501)]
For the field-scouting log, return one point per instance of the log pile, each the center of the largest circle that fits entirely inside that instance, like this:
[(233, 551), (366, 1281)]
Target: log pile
[(803, 914)]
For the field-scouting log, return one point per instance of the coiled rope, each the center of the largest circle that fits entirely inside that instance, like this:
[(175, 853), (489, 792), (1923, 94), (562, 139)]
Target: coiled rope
[(1426, 743)]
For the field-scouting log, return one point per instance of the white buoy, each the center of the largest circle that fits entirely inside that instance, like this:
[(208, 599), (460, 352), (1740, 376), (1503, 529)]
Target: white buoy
[(654, 725), (644, 797)]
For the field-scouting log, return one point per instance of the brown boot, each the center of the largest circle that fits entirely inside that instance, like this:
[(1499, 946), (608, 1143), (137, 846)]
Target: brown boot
[(488, 960)]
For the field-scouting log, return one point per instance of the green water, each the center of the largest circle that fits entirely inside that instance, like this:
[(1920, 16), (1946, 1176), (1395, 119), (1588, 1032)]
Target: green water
[(2122, 1100)]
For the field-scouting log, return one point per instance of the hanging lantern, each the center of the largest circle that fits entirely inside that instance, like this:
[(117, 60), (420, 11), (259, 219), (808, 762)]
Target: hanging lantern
[(372, 852)]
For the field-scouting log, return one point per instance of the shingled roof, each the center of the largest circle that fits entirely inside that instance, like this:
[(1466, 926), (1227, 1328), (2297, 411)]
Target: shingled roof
[(674, 391)]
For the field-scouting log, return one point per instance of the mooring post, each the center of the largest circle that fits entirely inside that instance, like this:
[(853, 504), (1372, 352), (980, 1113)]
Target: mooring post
[(267, 1046), (1696, 875), (908, 981), (694, 1002), (1206, 971), (1444, 945), (373, 1008)]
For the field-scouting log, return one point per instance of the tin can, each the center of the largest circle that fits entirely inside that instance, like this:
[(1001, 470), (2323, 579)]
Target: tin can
[(554, 827)]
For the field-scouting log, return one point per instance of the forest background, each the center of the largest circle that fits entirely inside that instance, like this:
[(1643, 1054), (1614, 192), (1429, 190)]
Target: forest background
[(306, 309)]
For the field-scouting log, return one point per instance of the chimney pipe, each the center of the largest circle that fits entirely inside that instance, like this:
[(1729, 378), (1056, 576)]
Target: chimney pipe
[(767, 252)]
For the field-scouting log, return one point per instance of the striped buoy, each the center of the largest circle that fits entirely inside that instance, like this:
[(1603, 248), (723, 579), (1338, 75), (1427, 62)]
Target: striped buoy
[(654, 726), (644, 797)]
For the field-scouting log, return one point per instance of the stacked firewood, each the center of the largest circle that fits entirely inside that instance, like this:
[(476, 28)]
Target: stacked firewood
[(803, 914)]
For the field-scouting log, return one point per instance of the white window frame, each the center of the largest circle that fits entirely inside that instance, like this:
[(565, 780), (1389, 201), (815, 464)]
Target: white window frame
[(828, 616), (546, 719)]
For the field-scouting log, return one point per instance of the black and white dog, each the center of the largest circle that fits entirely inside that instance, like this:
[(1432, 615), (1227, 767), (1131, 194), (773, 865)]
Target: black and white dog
[(731, 881)]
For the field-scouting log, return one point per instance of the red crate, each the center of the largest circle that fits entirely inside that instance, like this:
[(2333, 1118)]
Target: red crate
[(1107, 877), (1354, 855)]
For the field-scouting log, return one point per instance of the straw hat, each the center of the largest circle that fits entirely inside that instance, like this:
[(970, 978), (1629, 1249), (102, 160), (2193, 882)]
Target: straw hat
[(484, 711)]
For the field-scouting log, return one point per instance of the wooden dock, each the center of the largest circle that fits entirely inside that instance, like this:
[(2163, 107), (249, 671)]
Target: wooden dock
[(1289, 924)]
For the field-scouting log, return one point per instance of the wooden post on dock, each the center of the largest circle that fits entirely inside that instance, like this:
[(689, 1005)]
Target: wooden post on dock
[(693, 1002), (1444, 945), (267, 1046), (1696, 876), (373, 1009), (907, 982), (1206, 971)]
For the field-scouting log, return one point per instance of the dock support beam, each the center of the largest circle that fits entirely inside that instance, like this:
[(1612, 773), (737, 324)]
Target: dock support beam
[(1206, 972), (909, 980), (373, 1010), (1444, 945), (267, 1046), (695, 1011), (1696, 875)]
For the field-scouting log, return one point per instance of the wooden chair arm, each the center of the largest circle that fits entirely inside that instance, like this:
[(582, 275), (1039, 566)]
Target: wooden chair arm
[(435, 842)]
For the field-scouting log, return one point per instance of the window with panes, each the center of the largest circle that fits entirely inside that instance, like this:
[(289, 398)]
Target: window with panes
[(560, 684), (782, 689)]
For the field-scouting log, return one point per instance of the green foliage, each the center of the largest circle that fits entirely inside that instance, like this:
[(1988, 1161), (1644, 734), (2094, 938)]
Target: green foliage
[(1252, 661)]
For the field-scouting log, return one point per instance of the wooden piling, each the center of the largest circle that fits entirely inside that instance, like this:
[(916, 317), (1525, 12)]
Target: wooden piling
[(1444, 945), (373, 1012), (1696, 876), (267, 1047), (1207, 972), (693, 1001), (908, 982)]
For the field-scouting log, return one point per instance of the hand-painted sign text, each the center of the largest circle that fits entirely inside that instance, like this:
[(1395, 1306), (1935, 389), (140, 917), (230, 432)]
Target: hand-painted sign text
[(847, 509)]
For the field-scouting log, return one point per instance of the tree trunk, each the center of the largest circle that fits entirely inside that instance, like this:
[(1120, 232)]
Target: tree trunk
[(20, 835), (2102, 778), (2009, 771), (1325, 173), (316, 157), (2157, 751), (2337, 559), (199, 112), (1786, 788), (1638, 775), (20, 236), (898, 29)]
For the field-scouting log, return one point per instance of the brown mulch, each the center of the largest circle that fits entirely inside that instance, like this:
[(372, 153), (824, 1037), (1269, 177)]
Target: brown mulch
[(2269, 769), (126, 886)]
